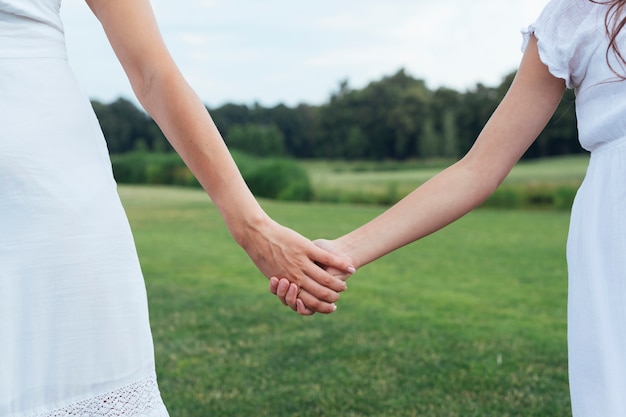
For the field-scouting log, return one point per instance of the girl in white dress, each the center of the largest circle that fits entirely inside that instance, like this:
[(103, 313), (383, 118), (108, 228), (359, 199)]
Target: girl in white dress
[(74, 332), (574, 44)]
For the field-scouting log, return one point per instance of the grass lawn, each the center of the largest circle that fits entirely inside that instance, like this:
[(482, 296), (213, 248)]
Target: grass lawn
[(468, 322)]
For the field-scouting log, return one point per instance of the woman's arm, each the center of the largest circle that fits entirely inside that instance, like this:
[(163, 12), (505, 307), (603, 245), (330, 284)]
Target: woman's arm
[(160, 87), (516, 123)]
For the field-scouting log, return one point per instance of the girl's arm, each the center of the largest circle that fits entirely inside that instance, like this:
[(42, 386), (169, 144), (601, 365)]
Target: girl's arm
[(516, 123), (523, 113), (160, 87)]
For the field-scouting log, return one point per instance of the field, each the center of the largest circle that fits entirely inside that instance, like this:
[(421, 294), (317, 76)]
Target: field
[(548, 183), (468, 322), (348, 175)]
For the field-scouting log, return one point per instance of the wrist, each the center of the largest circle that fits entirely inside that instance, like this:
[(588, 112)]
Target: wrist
[(349, 249), (359, 247), (245, 227)]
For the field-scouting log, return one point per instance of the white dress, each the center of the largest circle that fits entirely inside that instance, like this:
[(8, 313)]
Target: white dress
[(74, 332), (573, 44)]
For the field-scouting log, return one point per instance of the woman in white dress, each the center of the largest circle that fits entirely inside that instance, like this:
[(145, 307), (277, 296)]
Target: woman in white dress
[(573, 44), (74, 331)]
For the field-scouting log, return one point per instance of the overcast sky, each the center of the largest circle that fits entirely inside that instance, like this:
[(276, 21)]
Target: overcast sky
[(297, 51)]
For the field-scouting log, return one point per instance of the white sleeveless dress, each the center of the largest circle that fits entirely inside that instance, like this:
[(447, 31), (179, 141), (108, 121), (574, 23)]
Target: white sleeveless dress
[(74, 333), (573, 44)]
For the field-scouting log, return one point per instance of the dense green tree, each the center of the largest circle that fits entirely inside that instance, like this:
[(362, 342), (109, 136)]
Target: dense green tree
[(396, 117), (444, 108), (560, 137), (335, 119), (355, 140), (428, 146), (449, 135), (229, 115), (389, 113), (257, 140), (128, 128), (295, 124), (302, 144), (475, 108)]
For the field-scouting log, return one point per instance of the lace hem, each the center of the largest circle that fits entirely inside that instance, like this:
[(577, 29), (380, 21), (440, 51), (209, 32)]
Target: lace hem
[(138, 399)]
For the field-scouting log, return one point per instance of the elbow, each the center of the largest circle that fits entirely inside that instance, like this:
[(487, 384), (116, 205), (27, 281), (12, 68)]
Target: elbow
[(483, 176), (144, 84), (151, 85)]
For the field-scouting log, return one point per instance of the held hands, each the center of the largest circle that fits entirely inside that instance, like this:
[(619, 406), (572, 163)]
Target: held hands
[(279, 251), (290, 294)]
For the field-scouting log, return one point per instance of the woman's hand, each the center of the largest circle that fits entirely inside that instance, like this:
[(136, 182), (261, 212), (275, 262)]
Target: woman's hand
[(281, 252), (296, 297)]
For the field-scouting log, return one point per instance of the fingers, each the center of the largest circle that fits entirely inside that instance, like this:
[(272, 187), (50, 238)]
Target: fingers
[(305, 303), (291, 297), (287, 293), (312, 304), (322, 284), (302, 302), (281, 290), (334, 263), (302, 309), (295, 303), (319, 292), (273, 285), (323, 256)]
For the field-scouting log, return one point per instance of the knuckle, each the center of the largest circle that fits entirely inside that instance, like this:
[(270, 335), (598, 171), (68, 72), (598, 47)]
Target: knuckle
[(325, 279), (331, 296), (314, 302)]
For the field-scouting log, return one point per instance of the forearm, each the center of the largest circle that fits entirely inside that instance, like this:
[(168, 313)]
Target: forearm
[(516, 123), (437, 203), (188, 126), (168, 98)]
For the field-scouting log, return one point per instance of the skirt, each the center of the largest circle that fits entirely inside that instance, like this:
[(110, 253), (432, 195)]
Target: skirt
[(596, 254)]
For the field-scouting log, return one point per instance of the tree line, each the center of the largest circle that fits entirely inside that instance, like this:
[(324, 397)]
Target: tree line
[(397, 117)]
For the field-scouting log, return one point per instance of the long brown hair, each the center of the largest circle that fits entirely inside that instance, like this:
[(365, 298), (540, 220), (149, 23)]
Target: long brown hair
[(614, 22)]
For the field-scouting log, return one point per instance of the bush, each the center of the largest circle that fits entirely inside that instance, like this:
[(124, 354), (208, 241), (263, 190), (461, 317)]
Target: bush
[(276, 178), (564, 197), (381, 198), (257, 139), (533, 196), (505, 198), (129, 168), (151, 168)]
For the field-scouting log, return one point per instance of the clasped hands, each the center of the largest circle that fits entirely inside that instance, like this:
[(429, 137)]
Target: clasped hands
[(292, 295)]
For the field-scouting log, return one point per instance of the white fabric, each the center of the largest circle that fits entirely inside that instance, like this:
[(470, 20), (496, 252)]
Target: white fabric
[(573, 44), (74, 330)]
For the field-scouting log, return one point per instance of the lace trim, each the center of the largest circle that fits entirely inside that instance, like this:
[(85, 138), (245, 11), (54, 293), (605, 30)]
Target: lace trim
[(136, 399)]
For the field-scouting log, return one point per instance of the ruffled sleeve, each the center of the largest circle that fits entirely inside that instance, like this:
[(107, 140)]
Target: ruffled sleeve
[(562, 32)]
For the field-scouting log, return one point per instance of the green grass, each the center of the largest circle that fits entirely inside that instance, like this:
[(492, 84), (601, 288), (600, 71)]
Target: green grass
[(468, 322)]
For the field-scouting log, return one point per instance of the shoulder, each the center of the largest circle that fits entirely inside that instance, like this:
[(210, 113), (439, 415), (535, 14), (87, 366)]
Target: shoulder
[(568, 32), (567, 16)]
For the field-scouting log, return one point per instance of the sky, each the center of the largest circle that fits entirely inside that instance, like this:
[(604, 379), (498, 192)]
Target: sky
[(298, 51)]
